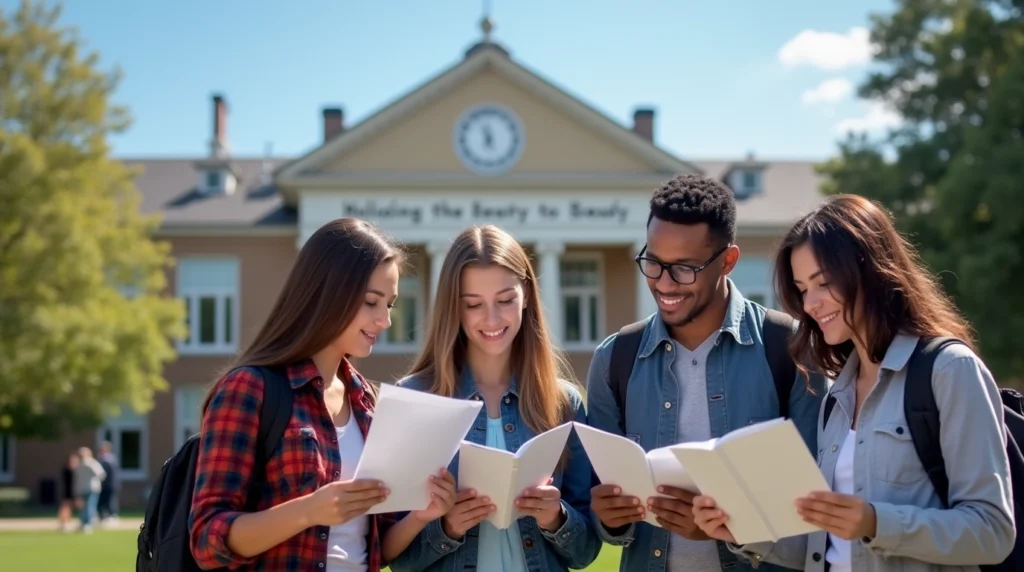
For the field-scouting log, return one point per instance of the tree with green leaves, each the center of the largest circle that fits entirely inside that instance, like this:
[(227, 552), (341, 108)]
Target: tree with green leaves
[(86, 325), (951, 172)]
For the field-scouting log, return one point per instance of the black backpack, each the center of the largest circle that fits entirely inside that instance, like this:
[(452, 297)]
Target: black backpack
[(163, 540), (923, 421), (778, 327)]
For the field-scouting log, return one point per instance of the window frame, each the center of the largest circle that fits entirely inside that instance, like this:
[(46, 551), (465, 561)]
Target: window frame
[(118, 424), (416, 285), (600, 290), (8, 447), (191, 296)]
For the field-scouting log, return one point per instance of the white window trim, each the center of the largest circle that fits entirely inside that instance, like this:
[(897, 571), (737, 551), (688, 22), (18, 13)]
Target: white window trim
[(589, 256), (8, 476), (383, 346), (179, 412), (114, 425), (190, 347)]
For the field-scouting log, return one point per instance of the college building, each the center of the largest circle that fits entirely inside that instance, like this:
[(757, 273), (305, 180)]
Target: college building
[(485, 141)]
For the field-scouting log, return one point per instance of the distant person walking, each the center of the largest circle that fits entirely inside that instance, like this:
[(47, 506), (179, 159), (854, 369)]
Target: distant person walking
[(89, 475), (110, 489), (67, 492)]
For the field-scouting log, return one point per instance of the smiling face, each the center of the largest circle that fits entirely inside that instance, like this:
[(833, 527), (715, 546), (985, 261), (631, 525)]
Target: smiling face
[(374, 315), (692, 245), (492, 303), (819, 301)]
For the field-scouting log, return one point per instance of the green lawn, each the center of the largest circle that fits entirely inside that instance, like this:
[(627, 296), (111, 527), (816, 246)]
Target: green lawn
[(106, 550)]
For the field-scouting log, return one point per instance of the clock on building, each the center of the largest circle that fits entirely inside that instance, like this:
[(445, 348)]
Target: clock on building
[(488, 138)]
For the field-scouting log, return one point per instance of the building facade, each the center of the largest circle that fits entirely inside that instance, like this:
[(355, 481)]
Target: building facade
[(485, 141)]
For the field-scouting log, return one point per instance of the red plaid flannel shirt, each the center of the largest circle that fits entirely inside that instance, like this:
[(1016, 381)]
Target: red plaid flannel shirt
[(306, 459)]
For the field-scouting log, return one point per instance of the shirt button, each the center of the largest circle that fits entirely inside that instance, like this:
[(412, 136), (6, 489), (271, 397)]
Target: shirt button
[(323, 536), (509, 427), (334, 438), (321, 565), (528, 543), (834, 447), (337, 474), (668, 347), (319, 383), (508, 400), (668, 405), (657, 553), (444, 547), (899, 430)]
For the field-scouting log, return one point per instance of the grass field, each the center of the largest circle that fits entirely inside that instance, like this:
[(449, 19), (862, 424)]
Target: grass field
[(106, 550)]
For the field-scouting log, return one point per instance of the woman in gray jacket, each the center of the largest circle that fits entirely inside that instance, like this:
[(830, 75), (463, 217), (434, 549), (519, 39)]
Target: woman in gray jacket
[(89, 475), (864, 302)]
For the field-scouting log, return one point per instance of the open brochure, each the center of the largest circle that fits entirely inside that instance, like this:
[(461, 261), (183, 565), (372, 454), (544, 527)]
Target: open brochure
[(414, 435), (755, 474), (619, 461), (503, 476)]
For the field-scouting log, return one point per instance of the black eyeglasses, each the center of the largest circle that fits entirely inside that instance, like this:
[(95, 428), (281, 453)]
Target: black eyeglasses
[(681, 273)]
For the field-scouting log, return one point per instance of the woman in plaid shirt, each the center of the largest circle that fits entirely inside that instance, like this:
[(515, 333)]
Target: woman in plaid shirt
[(310, 514), (488, 340)]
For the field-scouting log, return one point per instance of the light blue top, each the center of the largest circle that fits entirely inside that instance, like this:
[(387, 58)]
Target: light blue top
[(499, 549)]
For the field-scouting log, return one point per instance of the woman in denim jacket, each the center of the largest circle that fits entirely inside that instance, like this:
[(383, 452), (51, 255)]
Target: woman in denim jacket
[(488, 340), (865, 302)]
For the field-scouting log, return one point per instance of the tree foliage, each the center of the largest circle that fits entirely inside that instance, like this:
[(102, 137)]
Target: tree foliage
[(951, 172), (85, 325)]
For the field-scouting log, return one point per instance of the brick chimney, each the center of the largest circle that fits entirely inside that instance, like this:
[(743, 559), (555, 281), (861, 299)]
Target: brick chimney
[(219, 143), (643, 123), (334, 122)]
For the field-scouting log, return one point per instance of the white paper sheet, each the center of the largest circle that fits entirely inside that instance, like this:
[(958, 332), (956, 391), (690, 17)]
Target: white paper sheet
[(503, 476), (620, 461), (755, 474), (414, 434)]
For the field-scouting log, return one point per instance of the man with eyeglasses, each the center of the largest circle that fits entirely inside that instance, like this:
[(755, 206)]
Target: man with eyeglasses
[(708, 362)]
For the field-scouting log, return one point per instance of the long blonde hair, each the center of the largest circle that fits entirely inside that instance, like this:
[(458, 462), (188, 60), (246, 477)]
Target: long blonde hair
[(536, 366)]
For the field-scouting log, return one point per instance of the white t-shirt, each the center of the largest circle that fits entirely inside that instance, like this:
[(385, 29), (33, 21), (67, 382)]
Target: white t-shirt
[(838, 554), (346, 544)]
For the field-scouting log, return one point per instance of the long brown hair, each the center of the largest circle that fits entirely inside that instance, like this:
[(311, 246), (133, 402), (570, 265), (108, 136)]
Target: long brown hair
[(866, 259), (536, 366), (322, 295)]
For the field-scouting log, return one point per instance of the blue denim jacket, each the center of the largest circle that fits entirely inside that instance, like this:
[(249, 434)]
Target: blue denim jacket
[(740, 391), (575, 545)]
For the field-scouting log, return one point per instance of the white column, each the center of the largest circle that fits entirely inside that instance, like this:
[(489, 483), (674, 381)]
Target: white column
[(436, 251), (551, 286), (645, 304)]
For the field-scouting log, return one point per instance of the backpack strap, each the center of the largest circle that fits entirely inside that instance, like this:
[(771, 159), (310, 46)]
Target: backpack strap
[(922, 413), (275, 412), (778, 328), (624, 351)]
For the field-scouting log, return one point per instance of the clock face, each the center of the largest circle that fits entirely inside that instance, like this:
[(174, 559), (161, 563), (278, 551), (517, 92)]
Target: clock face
[(488, 139)]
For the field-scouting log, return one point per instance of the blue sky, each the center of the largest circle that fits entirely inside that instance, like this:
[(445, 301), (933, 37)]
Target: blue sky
[(725, 76)]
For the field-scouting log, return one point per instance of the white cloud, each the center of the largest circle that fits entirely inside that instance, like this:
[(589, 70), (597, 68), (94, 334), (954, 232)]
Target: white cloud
[(829, 91), (827, 50), (878, 118)]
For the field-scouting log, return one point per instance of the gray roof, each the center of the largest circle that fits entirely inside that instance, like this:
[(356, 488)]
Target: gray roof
[(169, 186)]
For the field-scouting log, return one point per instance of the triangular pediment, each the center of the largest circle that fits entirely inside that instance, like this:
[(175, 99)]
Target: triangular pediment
[(487, 116)]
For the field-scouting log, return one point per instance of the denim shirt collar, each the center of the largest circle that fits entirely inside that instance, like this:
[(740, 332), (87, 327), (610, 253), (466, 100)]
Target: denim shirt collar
[(735, 323), (467, 385), (897, 356)]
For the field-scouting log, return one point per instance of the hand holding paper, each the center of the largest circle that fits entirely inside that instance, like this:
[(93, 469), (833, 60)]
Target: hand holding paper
[(503, 476), (414, 434)]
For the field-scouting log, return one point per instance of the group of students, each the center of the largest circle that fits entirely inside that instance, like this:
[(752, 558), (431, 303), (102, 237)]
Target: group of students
[(700, 367)]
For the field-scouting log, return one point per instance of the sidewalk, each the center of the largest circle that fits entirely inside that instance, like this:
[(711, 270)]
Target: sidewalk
[(50, 524)]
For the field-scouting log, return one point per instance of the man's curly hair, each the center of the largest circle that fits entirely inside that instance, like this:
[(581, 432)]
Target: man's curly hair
[(693, 199)]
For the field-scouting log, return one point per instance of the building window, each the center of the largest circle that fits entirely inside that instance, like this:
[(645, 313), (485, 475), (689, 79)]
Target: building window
[(406, 328), (129, 435), (209, 287), (188, 403), (753, 278), (6, 458), (582, 299)]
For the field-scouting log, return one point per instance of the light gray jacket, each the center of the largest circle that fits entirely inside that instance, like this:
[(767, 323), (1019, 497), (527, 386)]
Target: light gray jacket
[(914, 532)]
